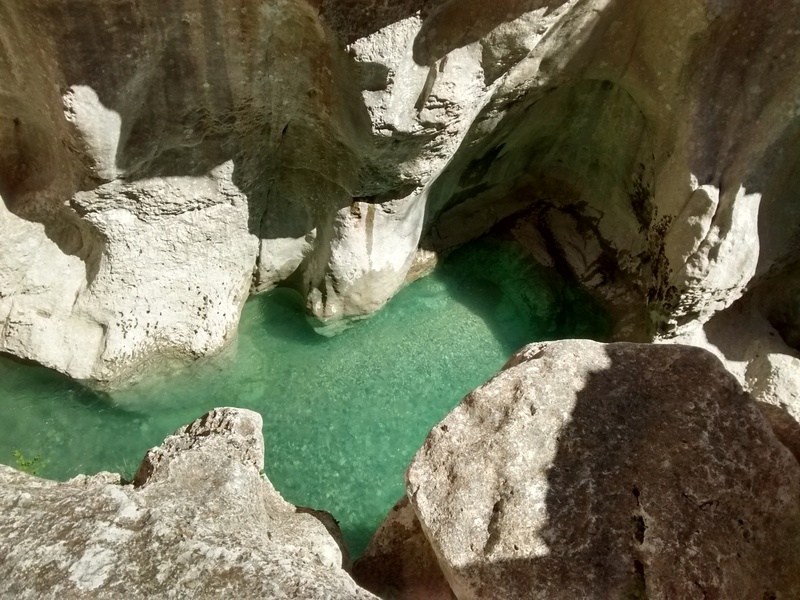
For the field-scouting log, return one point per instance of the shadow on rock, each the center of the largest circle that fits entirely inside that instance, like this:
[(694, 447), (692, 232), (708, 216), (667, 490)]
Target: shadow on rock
[(610, 471)]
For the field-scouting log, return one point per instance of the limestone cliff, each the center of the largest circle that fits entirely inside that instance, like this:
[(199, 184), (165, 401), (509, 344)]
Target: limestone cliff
[(161, 161), (598, 471)]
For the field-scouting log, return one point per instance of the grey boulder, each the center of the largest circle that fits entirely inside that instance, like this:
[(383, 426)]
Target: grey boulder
[(199, 521), (585, 470)]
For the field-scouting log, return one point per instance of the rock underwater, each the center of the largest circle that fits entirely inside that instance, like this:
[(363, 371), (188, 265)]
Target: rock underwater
[(198, 521)]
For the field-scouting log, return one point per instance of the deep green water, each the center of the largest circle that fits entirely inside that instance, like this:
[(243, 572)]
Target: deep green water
[(343, 415)]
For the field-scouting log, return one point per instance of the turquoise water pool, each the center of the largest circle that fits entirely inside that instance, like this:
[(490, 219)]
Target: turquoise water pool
[(342, 415)]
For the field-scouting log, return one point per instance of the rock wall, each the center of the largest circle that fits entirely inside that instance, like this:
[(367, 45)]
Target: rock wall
[(657, 134), (159, 163)]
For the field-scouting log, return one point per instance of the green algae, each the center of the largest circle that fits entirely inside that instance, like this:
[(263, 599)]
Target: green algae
[(343, 415)]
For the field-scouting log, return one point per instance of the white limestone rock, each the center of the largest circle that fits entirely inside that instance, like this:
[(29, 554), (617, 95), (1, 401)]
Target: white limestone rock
[(774, 381), (651, 146), (39, 287), (199, 521), (166, 280)]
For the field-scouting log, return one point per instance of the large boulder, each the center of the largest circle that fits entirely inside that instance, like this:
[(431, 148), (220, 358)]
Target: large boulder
[(585, 470), (199, 520)]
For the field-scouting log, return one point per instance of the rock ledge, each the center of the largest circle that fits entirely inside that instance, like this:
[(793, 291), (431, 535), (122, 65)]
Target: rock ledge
[(200, 521)]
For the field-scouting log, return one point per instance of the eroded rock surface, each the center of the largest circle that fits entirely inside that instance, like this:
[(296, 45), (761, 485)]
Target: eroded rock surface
[(585, 470), (198, 521), (648, 146)]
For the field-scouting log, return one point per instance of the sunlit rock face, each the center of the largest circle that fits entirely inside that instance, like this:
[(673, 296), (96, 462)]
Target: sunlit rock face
[(160, 162), (199, 520)]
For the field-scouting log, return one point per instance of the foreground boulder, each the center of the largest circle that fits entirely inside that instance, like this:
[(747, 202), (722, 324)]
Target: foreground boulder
[(586, 470), (199, 521)]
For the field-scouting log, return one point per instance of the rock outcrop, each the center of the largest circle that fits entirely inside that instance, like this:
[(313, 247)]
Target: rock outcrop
[(585, 470), (159, 162), (199, 520)]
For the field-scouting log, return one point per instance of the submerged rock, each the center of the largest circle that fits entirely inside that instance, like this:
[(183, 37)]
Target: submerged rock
[(585, 470), (200, 520)]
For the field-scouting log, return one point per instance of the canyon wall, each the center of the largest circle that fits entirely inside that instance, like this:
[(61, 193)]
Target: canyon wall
[(160, 162)]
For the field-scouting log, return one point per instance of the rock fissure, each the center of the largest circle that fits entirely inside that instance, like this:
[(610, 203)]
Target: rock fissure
[(493, 528)]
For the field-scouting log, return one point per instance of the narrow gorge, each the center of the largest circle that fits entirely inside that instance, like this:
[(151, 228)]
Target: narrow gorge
[(343, 217)]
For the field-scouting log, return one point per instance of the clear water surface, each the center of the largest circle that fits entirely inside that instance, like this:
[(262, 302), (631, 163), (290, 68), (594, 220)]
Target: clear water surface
[(343, 415)]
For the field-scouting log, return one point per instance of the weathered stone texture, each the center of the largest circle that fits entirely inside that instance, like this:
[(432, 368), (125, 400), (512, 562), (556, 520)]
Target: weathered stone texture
[(199, 521), (586, 470), (238, 145)]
